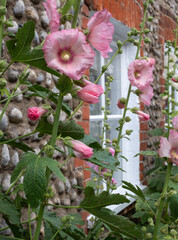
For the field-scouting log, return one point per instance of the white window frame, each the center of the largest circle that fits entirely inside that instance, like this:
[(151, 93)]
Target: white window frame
[(131, 167)]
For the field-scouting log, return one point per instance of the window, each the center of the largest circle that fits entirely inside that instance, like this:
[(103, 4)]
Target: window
[(119, 88)]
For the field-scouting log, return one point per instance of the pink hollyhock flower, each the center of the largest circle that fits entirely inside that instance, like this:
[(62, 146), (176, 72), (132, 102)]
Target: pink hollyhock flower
[(151, 61), (143, 116), (120, 104), (175, 122), (95, 167), (146, 95), (53, 15), (140, 73), (112, 151), (81, 150), (113, 181), (35, 113), (101, 31), (90, 93), (68, 52), (169, 148)]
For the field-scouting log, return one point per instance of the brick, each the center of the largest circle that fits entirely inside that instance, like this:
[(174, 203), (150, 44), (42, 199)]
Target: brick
[(141, 167), (86, 112), (78, 162), (143, 126), (85, 125), (162, 81), (143, 136), (141, 176), (87, 174), (143, 146), (84, 215), (84, 22), (85, 10)]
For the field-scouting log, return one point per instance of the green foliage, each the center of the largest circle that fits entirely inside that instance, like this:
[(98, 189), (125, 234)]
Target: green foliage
[(173, 203), (134, 189), (19, 145), (157, 182), (69, 128), (9, 238), (118, 224), (19, 49), (157, 132), (102, 200), (64, 84), (148, 153)]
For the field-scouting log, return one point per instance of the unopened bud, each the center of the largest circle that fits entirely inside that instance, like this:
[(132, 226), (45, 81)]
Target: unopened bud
[(3, 65), (3, 11), (1, 133), (120, 51), (121, 121), (119, 43), (136, 42), (150, 19), (128, 132), (147, 40), (49, 150), (104, 68), (134, 110), (127, 119), (149, 236), (3, 83), (146, 30), (173, 232), (144, 229)]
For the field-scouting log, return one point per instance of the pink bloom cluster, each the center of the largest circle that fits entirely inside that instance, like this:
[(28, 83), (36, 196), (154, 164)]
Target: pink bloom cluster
[(68, 51), (35, 113), (90, 92), (81, 150)]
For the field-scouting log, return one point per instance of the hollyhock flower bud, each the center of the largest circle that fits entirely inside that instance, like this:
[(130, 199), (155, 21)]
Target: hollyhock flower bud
[(120, 104), (53, 15), (90, 93), (146, 95), (81, 150), (140, 73), (169, 148), (93, 166), (142, 116), (113, 181), (112, 151), (175, 122), (35, 113), (101, 31), (175, 82), (68, 52)]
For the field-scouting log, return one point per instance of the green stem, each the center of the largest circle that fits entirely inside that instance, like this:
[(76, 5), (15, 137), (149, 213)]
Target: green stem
[(57, 232), (161, 205), (75, 18), (52, 142), (74, 112), (22, 173), (6, 68), (3, 4), (67, 159), (30, 229), (10, 97), (4, 100), (61, 206), (13, 139), (3, 229)]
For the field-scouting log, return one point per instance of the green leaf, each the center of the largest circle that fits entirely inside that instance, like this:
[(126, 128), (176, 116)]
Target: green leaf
[(93, 232), (173, 205), (103, 158), (102, 200), (22, 164), (9, 238), (66, 7), (19, 145), (118, 224), (35, 181), (73, 232), (7, 208), (52, 219), (91, 142), (64, 84), (157, 182), (23, 41), (157, 132), (148, 153), (53, 166), (69, 128), (134, 189)]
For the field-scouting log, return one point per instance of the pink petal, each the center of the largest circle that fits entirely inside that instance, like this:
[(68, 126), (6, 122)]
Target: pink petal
[(147, 95), (175, 122), (165, 147)]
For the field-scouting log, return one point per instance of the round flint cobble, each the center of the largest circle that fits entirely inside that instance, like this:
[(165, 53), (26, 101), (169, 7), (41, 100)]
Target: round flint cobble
[(15, 115), (19, 9)]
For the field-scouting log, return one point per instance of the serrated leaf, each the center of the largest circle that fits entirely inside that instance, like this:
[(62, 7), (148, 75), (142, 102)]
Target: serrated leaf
[(118, 224), (134, 189), (18, 145), (173, 205), (157, 132), (35, 182), (148, 153), (102, 200), (54, 167), (66, 7), (103, 158), (7, 208), (157, 182), (52, 219), (64, 84), (91, 142), (74, 233)]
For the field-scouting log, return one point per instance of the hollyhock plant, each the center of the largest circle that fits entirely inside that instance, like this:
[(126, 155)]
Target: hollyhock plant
[(140, 73), (81, 150), (100, 32), (53, 15), (68, 52), (35, 113), (146, 95), (142, 116), (169, 148), (175, 122), (90, 93)]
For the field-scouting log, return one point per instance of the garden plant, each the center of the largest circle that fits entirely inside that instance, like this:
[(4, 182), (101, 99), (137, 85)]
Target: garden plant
[(66, 54)]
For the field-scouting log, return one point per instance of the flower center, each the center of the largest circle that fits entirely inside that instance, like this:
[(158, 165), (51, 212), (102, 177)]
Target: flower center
[(65, 55), (174, 153), (137, 75)]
